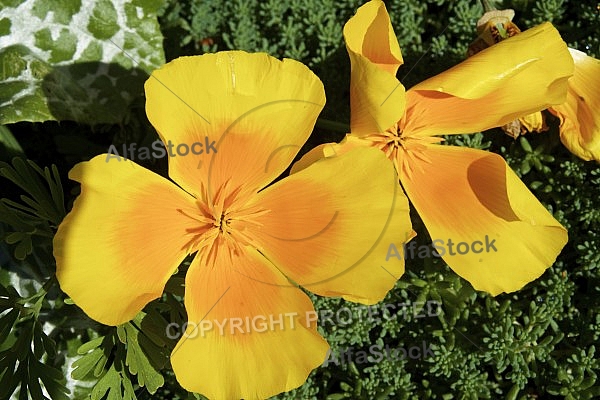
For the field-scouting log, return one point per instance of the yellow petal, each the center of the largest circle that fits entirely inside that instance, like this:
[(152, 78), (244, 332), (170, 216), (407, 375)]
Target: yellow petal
[(518, 76), (370, 34), (473, 197), (330, 222), (257, 110), (534, 122), (324, 150), (124, 237), (579, 116), (377, 98), (245, 339)]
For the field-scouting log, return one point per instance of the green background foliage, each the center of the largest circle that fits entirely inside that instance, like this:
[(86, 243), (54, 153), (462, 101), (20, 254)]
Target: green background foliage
[(537, 343)]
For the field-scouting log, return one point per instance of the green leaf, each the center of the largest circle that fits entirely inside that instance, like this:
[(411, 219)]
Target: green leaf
[(95, 356), (47, 198), (43, 208), (24, 248), (525, 144), (92, 344), (154, 327), (525, 167), (18, 220), (85, 365), (81, 60), (111, 383), (6, 323), (126, 346), (9, 146), (52, 379), (14, 237), (139, 363), (20, 365), (117, 386)]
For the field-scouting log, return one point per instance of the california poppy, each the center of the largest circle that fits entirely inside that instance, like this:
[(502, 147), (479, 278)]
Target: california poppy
[(461, 194), (254, 244)]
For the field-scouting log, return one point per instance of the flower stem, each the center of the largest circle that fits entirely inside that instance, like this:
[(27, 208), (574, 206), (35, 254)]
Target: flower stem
[(487, 6)]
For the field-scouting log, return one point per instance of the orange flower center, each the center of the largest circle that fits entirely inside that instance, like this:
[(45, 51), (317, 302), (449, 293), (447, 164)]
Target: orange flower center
[(402, 148), (224, 223)]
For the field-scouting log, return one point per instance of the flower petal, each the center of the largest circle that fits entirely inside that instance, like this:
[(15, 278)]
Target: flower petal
[(534, 122), (370, 34), (124, 237), (330, 222), (324, 150), (468, 195), (245, 339), (579, 117), (518, 76), (257, 110), (377, 98)]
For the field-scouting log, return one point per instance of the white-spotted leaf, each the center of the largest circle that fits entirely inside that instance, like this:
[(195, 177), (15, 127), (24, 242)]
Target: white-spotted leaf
[(80, 60)]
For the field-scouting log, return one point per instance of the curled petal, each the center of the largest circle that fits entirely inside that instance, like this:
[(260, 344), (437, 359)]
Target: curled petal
[(518, 76), (370, 34), (508, 237), (377, 99), (328, 150), (579, 116), (534, 122)]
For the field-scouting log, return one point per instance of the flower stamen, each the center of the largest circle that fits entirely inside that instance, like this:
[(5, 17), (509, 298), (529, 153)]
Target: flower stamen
[(402, 148), (223, 223)]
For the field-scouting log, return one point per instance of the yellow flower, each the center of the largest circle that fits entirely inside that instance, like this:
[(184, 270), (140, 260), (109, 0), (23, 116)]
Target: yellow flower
[(321, 228), (461, 194), (579, 116)]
